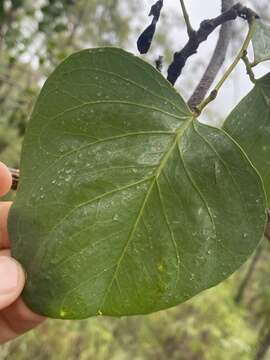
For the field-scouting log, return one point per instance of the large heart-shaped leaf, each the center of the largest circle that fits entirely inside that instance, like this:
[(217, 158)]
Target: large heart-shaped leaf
[(261, 42), (249, 125), (127, 204)]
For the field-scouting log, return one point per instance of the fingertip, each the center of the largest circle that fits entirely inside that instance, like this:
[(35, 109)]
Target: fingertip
[(12, 281), (4, 210), (5, 179)]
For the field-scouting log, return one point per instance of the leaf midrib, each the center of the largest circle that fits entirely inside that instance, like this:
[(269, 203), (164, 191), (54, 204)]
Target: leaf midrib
[(179, 132), (152, 177)]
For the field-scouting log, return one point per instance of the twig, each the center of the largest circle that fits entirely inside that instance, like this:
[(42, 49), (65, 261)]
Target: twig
[(199, 36), (216, 61), (198, 109), (15, 173), (190, 29), (159, 63)]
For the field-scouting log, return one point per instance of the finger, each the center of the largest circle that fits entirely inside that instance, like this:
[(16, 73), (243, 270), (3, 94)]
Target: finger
[(5, 179), (12, 280), (4, 209), (17, 319)]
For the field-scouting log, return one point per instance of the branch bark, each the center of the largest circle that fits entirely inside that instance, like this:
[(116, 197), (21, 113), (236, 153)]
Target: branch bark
[(264, 347), (201, 35), (216, 61)]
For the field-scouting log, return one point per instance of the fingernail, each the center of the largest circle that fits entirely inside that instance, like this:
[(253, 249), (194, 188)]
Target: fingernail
[(9, 275)]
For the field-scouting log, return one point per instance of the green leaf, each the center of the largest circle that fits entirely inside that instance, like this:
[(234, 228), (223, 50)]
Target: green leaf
[(249, 125), (126, 204), (261, 42)]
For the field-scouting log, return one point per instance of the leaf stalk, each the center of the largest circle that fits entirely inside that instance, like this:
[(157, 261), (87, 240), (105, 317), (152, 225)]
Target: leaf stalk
[(242, 52), (248, 67), (190, 29)]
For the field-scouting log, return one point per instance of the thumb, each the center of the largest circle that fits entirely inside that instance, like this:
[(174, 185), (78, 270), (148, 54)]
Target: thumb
[(11, 281)]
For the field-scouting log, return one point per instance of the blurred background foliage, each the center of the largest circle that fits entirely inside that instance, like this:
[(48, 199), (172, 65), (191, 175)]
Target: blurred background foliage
[(231, 321)]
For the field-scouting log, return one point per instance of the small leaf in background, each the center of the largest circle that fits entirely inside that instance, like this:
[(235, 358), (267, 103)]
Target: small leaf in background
[(126, 203), (249, 125), (145, 39), (261, 42)]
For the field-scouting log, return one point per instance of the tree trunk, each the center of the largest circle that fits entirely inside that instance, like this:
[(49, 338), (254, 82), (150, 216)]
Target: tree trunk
[(242, 288), (264, 347)]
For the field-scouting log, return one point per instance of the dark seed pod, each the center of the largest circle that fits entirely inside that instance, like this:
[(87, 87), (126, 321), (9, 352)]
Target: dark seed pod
[(145, 39), (156, 9)]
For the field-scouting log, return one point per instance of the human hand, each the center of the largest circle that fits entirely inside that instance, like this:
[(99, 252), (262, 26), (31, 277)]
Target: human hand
[(15, 317)]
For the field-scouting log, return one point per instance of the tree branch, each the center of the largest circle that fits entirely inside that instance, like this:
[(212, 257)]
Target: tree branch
[(199, 36), (244, 283), (216, 61)]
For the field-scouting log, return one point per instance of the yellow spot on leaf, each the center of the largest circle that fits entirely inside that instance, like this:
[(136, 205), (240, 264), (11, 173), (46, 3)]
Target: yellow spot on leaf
[(160, 267), (63, 313)]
